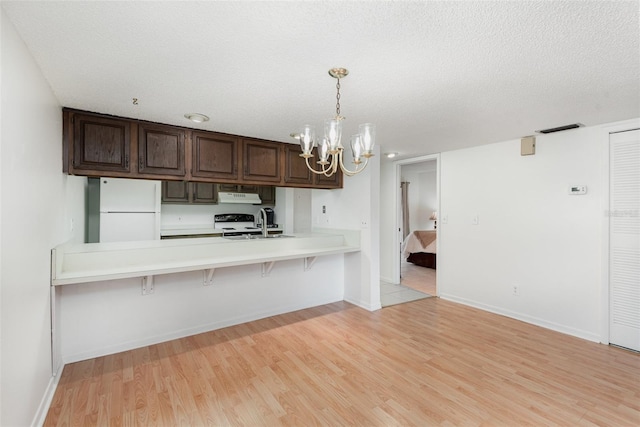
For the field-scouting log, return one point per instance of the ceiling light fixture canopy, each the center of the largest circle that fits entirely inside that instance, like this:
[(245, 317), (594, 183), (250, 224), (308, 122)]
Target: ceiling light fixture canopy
[(329, 148), (197, 117)]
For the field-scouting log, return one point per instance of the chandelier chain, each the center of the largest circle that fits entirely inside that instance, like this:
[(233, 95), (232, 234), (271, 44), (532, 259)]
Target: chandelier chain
[(338, 98)]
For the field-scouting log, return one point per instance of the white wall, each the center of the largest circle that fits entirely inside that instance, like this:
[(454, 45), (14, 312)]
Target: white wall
[(199, 215), (531, 233), (111, 316), (357, 207), (389, 251), (422, 194), (176, 215), (302, 210), (38, 204)]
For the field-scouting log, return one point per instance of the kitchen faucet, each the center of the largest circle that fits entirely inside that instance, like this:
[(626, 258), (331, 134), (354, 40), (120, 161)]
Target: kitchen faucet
[(263, 215)]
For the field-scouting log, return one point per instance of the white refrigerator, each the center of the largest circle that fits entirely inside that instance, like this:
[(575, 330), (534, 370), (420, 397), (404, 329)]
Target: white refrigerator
[(129, 209)]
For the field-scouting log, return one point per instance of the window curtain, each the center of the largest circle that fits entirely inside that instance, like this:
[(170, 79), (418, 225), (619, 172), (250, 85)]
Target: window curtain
[(404, 187)]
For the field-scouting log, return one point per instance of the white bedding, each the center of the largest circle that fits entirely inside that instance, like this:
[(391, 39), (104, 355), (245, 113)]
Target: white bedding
[(412, 244)]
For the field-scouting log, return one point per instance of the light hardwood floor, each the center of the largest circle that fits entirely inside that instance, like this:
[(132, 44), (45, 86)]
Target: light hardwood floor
[(428, 362)]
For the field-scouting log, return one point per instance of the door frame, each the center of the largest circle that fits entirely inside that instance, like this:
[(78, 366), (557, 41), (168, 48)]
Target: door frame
[(397, 194), (605, 131)]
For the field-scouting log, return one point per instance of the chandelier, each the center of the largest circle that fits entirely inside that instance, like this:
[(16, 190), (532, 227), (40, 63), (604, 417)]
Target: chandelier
[(329, 148)]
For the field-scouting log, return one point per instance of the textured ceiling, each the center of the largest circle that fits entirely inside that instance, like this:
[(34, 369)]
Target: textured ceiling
[(433, 76)]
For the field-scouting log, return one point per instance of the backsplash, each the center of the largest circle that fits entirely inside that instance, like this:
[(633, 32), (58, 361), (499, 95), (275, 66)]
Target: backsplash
[(173, 215)]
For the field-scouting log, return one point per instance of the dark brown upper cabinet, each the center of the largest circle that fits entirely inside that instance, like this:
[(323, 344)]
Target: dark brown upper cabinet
[(189, 192), (295, 167), (204, 192), (267, 194), (161, 150), (175, 192), (328, 182), (228, 188), (296, 172), (100, 143), (261, 161), (215, 156)]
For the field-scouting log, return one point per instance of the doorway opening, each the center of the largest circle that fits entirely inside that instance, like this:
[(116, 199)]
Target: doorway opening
[(417, 205)]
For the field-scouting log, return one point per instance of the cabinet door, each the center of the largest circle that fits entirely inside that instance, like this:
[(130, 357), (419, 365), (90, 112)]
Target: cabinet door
[(175, 192), (248, 188), (295, 167), (161, 150), (228, 188), (267, 194), (204, 192), (261, 160), (333, 181), (215, 155), (101, 143)]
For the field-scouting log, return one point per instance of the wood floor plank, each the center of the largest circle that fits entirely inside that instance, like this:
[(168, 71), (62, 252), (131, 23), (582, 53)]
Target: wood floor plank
[(427, 362)]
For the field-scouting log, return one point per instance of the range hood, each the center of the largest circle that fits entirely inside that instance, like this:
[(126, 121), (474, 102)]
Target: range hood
[(250, 198)]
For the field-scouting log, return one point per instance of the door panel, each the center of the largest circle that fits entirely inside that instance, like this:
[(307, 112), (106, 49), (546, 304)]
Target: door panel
[(215, 155), (101, 144), (161, 150), (624, 239)]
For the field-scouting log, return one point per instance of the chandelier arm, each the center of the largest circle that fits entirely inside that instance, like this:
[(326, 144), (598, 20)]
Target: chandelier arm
[(354, 172), (328, 171), (335, 162), (322, 172)]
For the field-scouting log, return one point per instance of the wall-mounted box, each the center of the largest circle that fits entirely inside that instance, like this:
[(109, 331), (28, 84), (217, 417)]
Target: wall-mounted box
[(528, 146)]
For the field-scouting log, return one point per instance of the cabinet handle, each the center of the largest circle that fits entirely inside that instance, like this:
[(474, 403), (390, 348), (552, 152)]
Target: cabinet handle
[(126, 161), (141, 165)]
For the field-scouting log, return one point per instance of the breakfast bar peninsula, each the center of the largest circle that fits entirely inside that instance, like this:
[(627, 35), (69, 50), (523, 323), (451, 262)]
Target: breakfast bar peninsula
[(111, 297)]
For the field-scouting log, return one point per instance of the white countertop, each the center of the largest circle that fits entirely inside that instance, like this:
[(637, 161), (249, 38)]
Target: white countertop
[(91, 262)]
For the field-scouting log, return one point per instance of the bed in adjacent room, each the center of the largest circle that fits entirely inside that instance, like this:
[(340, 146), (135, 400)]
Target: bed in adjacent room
[(419, 248)]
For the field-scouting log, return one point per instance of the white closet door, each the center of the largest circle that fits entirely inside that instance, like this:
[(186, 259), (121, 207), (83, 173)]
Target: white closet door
[(624, 239)]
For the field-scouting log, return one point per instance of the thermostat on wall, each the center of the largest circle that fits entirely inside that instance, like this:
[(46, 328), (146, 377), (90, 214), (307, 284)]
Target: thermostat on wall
[(577, 190)]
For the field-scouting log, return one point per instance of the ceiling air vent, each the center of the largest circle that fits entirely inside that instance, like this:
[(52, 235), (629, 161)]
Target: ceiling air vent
[(560, 128)]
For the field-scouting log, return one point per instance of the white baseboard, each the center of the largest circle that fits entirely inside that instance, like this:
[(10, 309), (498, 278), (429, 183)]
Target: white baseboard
[(130, 345), (363, 304), (47, 398), (524, 318)]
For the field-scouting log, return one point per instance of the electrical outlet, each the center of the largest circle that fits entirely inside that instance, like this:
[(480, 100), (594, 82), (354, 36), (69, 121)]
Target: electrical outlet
[(516, 291), (364, 224)]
